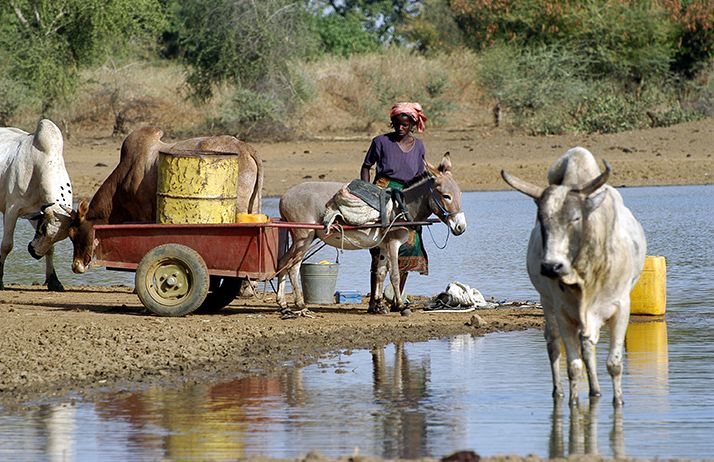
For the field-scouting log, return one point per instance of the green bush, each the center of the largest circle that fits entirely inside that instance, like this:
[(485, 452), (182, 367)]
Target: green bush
[(13, 97), (546, 91), (613, 38), (344, 36)]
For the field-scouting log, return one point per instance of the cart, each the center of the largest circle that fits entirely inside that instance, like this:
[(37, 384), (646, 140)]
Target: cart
[(183, 267)]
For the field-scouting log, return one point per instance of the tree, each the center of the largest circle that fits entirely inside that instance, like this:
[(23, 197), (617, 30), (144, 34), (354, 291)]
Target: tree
[(50, 40), (248, 43), (380, 17)]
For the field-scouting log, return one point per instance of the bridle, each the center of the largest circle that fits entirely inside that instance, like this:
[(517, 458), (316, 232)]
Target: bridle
[(439, 204)]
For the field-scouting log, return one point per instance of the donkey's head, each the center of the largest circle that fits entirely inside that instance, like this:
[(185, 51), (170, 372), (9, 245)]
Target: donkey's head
[(445, 196)]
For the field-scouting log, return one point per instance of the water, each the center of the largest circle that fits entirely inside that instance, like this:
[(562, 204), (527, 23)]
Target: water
[(489, 394)]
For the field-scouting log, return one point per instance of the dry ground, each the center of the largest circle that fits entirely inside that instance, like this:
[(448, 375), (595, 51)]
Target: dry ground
[(681, 154)]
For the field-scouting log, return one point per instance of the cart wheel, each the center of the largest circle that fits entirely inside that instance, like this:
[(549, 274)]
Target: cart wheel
[(223, 291), (172, 280)]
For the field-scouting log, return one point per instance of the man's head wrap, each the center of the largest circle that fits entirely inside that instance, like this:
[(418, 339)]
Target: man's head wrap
[(413, 110)]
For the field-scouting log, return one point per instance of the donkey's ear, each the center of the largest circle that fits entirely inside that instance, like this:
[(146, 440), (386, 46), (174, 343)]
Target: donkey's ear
[(445, 165)]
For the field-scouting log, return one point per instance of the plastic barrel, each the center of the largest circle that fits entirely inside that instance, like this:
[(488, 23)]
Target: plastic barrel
[(196, 187), (649, 296), (318, 282)]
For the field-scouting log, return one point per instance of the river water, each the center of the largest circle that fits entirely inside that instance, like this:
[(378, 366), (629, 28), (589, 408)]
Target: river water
[(489, 394)]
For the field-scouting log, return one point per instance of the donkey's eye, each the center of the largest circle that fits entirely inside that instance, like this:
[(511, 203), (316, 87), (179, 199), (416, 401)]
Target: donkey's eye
[(447, 197)]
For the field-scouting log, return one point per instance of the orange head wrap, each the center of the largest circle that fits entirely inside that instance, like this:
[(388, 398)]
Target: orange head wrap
[(413, 110)]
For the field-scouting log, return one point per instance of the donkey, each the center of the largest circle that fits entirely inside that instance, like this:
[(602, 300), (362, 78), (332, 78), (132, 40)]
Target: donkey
[(435, 191)]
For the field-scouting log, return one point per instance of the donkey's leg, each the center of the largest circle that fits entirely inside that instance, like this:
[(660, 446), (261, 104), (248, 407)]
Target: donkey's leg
[(393, 253), (380, 273), (290, 263)]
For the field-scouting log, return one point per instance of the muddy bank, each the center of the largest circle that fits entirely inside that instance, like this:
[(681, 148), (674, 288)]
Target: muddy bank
[(92, 337)]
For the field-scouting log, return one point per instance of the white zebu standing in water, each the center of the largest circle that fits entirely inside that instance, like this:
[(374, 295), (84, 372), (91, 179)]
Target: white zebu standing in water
[(585, 254), (34, 184), (435, 191)]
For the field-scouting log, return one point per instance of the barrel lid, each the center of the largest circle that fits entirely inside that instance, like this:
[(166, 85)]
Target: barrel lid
[(195, 153)]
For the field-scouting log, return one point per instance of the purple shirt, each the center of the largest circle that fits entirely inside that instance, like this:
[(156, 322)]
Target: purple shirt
[(392, 162)]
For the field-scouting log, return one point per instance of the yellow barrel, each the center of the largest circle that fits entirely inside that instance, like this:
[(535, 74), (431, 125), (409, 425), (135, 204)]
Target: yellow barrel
[(243, 217), (649, 296), (197, 187)]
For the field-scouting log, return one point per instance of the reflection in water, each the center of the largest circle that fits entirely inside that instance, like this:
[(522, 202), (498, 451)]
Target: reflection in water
[(486, 394), (60, 425), (648, 353), (403, 426), (200, 421), (583, 430), (647, 362)]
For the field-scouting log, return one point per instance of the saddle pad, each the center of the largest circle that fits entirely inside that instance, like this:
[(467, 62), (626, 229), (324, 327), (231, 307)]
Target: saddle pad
[(372, 195)]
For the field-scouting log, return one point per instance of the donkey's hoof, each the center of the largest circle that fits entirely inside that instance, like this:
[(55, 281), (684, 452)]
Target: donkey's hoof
[(406, 312), (377, 310)]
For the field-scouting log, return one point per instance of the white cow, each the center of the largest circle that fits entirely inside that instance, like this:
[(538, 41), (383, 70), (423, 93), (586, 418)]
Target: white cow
[(34, 184), (585, 254)]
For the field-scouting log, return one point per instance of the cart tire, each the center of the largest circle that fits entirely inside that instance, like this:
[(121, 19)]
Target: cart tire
[(223, 290), (172, 280)]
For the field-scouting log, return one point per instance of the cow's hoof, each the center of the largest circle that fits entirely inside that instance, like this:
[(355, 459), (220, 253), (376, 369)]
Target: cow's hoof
[(406, 312), (55, 288), (54, 285)]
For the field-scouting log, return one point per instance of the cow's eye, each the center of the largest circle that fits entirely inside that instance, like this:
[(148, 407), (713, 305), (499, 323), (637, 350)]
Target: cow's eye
[(447, 197)]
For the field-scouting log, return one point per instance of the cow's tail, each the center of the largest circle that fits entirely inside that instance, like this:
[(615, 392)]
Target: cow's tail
[(256, 197)]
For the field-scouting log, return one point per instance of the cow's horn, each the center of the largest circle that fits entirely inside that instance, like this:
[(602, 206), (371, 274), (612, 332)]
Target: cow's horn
[(67, 210), (596, 183), (519, 185)]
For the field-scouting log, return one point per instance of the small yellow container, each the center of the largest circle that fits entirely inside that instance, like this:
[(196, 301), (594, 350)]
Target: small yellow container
[(649, 296), (243, 217)]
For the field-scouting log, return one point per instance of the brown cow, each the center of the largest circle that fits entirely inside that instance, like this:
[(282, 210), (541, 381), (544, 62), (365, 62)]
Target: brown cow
[(128, 195)]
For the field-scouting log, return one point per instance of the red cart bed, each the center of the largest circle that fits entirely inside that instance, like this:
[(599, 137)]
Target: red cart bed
[(245, 250), (180, 268)]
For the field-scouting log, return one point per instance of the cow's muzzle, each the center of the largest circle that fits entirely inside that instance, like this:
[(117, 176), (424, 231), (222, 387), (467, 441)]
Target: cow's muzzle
[(552, 270)]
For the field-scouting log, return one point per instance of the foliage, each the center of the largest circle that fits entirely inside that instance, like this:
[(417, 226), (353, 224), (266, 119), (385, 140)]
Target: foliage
[(344, 36), (625, 39), (356, 93), (546, 91), (382, 18), (263, 114), (695, 38), (50, 40), (433, 29), (12, 97), (247, 43)]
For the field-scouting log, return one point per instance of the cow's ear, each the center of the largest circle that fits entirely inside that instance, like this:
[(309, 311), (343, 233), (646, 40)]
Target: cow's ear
[(594, 201), (82, 209)]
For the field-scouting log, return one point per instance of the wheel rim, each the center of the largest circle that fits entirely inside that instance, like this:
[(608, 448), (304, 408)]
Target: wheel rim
[(169, 281)]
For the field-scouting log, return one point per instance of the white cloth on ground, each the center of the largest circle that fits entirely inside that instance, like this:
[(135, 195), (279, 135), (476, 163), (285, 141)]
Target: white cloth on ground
[(459, 297)]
